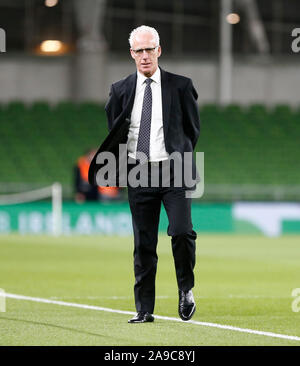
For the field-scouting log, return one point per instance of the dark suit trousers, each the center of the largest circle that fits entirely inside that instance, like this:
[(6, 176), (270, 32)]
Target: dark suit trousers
[(145, 206)]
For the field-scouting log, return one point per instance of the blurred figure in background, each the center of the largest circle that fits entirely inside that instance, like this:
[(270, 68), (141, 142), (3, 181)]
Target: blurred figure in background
[(86, 192), (83, 190), (109, 193)]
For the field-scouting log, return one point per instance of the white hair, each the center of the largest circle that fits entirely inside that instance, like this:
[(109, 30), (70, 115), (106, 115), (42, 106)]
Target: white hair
[(143, 28)]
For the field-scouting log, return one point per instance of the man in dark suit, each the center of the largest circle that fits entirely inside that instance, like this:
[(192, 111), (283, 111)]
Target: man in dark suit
[(163, 115)]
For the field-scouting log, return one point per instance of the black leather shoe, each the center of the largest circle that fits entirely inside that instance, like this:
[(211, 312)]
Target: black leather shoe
[(142, 317), (187, 306)]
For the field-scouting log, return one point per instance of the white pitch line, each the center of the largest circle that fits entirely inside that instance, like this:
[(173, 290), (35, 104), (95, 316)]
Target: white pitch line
[(99, 308)]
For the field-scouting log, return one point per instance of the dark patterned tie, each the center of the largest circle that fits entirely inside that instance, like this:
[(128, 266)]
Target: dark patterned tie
[(143, 144)]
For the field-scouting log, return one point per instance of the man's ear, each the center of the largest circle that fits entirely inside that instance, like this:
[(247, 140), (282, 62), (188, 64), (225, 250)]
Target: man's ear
[(132, 54), (158, 51)]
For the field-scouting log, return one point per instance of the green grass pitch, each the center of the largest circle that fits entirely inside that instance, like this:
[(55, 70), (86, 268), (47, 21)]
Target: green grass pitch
[(242, 281)]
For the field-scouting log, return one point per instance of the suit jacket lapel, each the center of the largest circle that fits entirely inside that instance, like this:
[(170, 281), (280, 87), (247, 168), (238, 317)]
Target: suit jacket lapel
[(166, 99), (130, 93), (128, 100)]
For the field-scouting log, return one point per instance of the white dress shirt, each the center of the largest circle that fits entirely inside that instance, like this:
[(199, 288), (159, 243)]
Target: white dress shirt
[(157, 143)]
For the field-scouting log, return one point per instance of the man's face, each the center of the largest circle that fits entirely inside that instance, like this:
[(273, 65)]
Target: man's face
[(146, 62)]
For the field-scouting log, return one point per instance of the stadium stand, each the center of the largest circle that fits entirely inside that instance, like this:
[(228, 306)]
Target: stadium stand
[(252, 145)]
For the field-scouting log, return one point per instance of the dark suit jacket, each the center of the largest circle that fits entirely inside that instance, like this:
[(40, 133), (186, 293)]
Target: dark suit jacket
[(181, 123)]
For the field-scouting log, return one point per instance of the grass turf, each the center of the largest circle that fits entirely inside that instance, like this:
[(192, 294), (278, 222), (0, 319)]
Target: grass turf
[(243, 281)]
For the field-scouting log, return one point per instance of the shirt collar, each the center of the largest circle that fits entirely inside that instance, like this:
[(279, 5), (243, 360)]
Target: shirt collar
[(155, 77)]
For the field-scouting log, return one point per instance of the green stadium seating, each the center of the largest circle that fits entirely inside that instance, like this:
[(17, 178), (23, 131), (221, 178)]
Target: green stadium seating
[(242, 145)]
